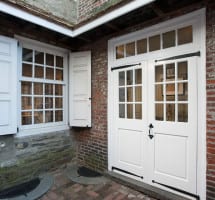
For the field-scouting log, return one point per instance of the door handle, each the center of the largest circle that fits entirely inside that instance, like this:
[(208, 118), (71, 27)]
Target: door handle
[(150, 131)]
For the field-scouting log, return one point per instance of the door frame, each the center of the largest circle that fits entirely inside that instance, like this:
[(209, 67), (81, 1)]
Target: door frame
[(198, 20)]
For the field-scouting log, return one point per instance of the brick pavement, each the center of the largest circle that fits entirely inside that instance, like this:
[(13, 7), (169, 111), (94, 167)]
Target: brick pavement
[(65, 189)]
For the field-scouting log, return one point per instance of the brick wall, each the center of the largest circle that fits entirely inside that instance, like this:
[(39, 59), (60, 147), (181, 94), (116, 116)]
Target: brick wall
[(210, 56)]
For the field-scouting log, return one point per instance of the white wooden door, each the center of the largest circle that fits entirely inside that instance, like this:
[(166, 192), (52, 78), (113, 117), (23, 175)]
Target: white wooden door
[(173, 115), (129, 136)]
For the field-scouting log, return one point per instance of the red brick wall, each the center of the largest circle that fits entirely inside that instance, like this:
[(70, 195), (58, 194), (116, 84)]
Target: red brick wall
[(210, 56)]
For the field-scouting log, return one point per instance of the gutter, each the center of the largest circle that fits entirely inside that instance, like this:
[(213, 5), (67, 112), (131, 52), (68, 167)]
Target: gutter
[(19, 13)]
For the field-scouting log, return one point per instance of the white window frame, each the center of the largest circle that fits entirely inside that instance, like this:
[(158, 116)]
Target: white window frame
[(25, 130)]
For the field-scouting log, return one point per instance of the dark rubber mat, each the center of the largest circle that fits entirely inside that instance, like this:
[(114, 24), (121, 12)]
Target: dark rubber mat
[(83, 171)]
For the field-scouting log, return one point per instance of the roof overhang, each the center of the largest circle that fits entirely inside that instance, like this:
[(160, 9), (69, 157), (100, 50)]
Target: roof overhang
[(22, 14)]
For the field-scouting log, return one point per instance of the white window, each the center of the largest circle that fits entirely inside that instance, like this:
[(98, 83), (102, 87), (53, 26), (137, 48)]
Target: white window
[(43, 87)]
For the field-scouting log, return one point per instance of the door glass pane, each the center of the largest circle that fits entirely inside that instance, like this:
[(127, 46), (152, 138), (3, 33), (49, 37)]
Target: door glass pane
[(59, 74), (154, 43), (170, 112), (182, 91), (121, 78), (27, 70), (50, 73), (130, 111), (59, 90), (142, 46), (50, 59), (159, 73), (26, 118), (38, 88), (130, 49), (49, 116), (170, 92), (138, 111), (58, 102), (59, 61), (170, 72), (129, 94), (138, 76), (120, 52), (121, 94), (39, 72), (168, 39), (185, 35), (159, 112), (26, 103), (129, 77), (159, 92), (27, 55), (38, 103), (138, 93), (183, 112), (58, 115), (49, 89), (26, 88), (121, 110), (182, 71), (38, 117), (48, 102), (39, 57)]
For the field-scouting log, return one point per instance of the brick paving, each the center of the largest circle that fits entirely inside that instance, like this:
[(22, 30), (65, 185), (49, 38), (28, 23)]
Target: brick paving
[(65, 189)]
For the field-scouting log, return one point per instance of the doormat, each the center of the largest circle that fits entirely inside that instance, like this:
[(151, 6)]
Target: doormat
[(83, 171), (30, 190)]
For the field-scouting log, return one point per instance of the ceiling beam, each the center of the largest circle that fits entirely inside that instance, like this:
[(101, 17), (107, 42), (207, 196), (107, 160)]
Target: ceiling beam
[(111, 26), (157, 10)]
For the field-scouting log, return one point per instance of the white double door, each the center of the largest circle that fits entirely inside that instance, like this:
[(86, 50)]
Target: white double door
[(154, 130)]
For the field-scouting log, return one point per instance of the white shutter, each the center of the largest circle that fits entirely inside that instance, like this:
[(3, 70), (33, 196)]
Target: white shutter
[(8, 86), (80, 89)]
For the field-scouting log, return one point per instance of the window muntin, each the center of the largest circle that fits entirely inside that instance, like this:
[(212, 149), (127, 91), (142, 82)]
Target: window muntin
[(42, 87)]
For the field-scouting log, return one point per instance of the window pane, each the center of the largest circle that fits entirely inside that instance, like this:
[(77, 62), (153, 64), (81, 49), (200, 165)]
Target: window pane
[(121, 110), (26, 87), (170, 72), (59, 74), (129, 94), (26, 103), (169, 39), (159, 112), (182, 91), (38, 117), (39, 72), (129, 77), (121, 78), (138, 93), (59, 90), (183, 112), (58, 102), (49, 89), (58, 115), (170, 92), (121, 94), (38, 103), (50, 59), (159, 73), (159, 92), (26, 118), (185, 35), (27, 55), (129, 111), (50, 73), (142, 46), (38, 88), (49, 116), (154, 43), (130, 49), (39, 57), (48, 102), (170, 112), (120, 52), (182, 71), (138, 76), (59, 61), (138, 111), (26, 70)]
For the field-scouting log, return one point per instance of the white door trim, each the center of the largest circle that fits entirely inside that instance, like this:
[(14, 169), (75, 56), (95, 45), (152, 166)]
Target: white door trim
[(198, 18)]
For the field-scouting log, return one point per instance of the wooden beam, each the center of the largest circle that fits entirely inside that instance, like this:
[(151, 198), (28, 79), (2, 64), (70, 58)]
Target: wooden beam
[(157, 10), (111, 26)]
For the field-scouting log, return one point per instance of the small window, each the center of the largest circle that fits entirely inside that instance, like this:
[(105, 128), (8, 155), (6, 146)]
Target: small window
[(154, 43), (120, 52), (130, 49), (168, 39), (185, 35), (141, 46)]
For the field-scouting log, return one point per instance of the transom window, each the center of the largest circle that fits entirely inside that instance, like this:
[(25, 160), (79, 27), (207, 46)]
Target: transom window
[(155, 42), (42, 87)]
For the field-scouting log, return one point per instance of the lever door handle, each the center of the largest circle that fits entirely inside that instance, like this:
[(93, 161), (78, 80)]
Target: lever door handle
[(150, 131)]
